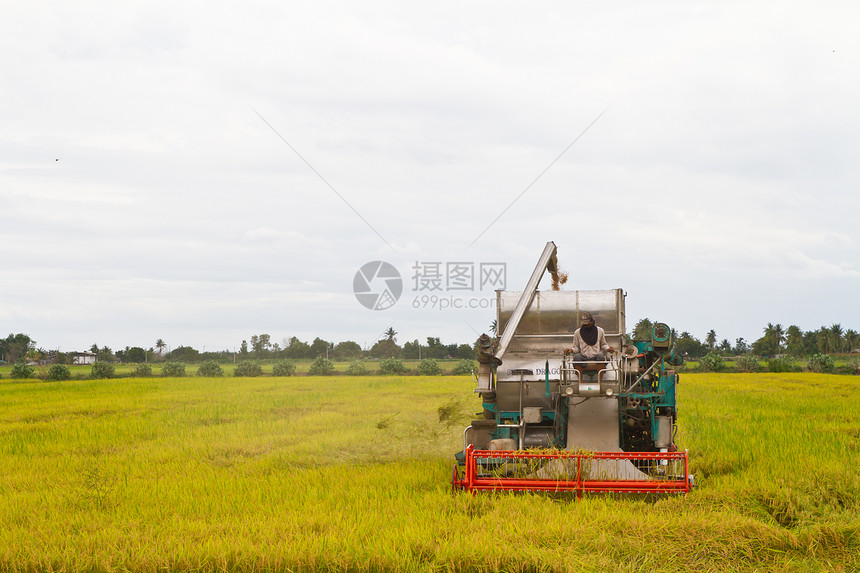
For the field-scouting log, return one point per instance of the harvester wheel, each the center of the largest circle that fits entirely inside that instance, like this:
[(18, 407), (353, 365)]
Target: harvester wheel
[(455, 480)]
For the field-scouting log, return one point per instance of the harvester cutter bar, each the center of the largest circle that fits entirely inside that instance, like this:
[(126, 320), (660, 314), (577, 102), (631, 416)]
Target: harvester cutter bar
[(576, 479)]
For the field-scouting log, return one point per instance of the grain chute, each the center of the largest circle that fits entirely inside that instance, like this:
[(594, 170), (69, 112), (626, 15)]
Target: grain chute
[(554, 423)]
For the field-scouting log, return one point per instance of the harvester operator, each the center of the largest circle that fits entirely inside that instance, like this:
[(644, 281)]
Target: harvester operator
[(589, 341)]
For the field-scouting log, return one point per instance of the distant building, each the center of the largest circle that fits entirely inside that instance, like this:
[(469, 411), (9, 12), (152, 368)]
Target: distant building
[(49, 358), (83, 357)]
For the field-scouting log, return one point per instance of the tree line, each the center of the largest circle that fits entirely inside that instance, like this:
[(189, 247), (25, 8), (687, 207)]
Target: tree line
[(17, 348), (775, 341), (22, 348)]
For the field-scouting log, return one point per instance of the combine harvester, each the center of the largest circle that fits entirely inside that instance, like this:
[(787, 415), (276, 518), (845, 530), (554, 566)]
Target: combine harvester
[(552, 423)]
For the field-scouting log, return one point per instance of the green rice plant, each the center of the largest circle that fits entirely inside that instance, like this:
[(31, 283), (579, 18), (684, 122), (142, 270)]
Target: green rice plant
[(248, 368), (211, 369), (21, 371), (59, 372), (357, 368), (102, 370), (784, 363), (392, 366), (284, 368), (464, 367), (454, 412), (173, 370), (321, 367), (711, 362), (820, 363), (747, 363), (428, 367), (142, 371)]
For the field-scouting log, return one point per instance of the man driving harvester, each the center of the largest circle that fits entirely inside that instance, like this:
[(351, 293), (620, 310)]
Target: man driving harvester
[(589, 341)]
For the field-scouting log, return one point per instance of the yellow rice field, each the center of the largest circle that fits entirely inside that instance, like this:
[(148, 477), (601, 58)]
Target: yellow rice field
[(338, 473)]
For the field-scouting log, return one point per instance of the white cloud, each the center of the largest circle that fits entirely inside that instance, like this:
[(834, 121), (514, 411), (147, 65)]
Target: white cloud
[(726, 152)]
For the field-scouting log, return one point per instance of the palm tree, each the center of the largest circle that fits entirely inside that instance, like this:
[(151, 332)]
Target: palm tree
[(642, 330), (822, 340), (836, 337), (711, 339), (768, 337), (779, 336), (391, 334), (794, 340), (773, 338), (160, 345), (851, 339)]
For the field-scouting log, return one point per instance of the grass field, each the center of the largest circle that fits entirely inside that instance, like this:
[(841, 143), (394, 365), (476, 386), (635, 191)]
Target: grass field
[(302, 367), (336, 473)]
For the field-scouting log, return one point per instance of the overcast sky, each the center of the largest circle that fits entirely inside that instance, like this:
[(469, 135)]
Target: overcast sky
[(145, 193)]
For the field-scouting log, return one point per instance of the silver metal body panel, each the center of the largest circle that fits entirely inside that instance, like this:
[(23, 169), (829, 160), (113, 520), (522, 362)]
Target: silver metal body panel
[(533, 395), (546, 327), (593, 425)]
